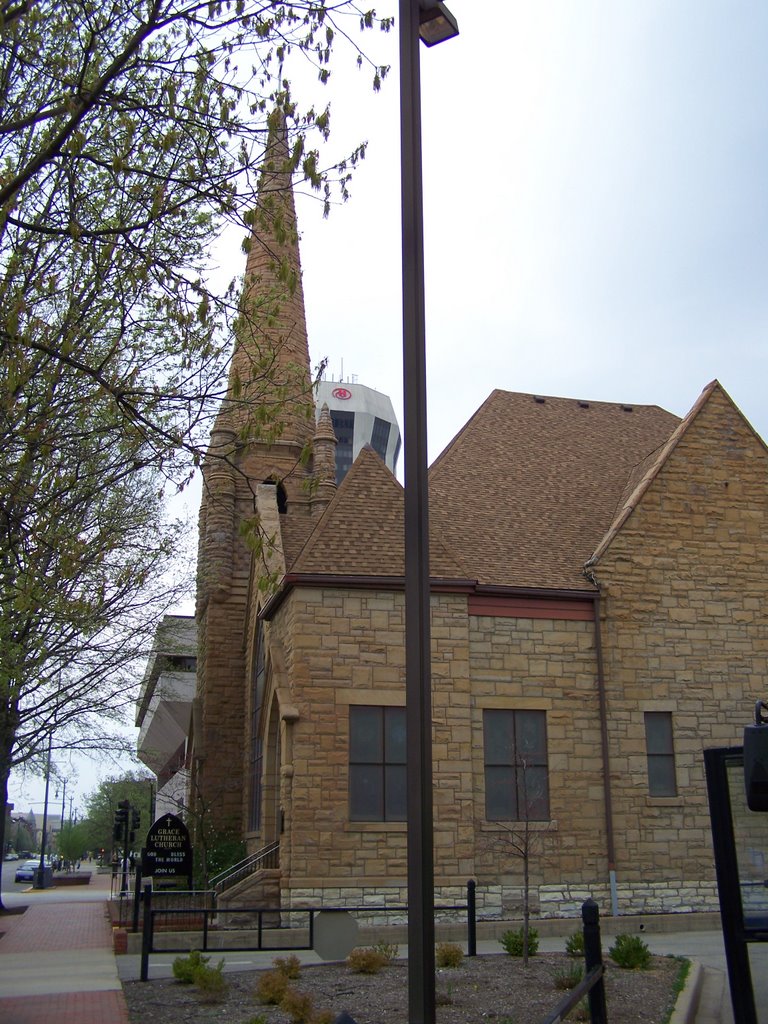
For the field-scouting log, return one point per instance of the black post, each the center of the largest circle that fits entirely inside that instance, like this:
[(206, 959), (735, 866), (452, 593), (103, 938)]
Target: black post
[(593, 956), (471, 918), (125, 823), (418, 695), (716, 763), (146, 935), (137, 892)]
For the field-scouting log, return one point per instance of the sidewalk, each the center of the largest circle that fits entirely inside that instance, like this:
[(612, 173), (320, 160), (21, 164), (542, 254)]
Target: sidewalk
[(56, 962)]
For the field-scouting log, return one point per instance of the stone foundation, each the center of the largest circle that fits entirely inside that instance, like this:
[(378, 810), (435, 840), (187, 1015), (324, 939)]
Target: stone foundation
[(502, 902)]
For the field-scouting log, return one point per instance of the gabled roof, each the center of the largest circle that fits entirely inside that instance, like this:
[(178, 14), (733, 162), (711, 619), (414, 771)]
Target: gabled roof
[(639, 482), (531, 484), (361, 531)]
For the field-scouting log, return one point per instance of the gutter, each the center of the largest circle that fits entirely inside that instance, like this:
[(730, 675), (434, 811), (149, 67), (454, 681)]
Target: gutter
[(607, 798)]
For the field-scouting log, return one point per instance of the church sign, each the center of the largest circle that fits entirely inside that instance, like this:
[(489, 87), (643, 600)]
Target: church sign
[(168, 853)]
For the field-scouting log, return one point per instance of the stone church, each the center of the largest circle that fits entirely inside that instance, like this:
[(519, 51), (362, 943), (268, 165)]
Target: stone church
[(599, 616)]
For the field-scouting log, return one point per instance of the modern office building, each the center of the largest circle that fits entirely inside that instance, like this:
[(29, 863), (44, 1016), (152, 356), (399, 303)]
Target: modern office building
[(360, 416)]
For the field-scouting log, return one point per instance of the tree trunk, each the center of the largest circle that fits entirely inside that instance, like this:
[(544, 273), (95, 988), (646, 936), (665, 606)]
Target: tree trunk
[(4, 773)]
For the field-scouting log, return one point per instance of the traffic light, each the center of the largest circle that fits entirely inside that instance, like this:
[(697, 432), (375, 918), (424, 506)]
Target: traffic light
[(121, 819)]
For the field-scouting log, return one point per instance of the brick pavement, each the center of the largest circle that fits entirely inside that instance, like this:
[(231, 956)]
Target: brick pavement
[(56, 963)]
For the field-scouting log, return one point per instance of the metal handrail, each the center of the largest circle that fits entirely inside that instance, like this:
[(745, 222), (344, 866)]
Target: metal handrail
[(265, 857)]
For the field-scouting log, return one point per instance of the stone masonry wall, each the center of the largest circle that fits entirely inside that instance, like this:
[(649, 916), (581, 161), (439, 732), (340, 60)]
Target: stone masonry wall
[(348, 648), (686, 631), (547, 665), (223, 636)]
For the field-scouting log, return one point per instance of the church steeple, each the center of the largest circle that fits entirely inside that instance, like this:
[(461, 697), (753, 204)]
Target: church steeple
[(270, 387), (263, 429)]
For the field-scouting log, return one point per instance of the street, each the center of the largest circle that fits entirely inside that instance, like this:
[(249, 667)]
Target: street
[(17, 894)]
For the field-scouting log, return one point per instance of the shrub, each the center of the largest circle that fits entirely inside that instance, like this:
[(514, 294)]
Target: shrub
[(448, 954), (512, 941), (185, 967), (271, 987), (324, 1017), (444, 997), (211, 983), (630, 952), (289, 966), (568, 978), (574, 944), (581, 1012), (298, 1006), (389, 950), (365, 961)]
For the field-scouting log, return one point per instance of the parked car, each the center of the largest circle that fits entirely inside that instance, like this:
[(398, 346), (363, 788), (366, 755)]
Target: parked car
[(27, 871), (11, 856)]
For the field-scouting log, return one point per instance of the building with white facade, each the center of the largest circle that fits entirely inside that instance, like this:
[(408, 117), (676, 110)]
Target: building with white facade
[(360, 416)]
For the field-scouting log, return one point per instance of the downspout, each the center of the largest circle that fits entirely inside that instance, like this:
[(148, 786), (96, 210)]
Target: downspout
[(602, 704)]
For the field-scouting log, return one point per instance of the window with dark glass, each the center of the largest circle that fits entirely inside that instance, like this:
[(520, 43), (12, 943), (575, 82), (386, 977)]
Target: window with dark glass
[(516, 771), (344, 429), (257, 747), (380, 437), (661, 753), (377, 755)]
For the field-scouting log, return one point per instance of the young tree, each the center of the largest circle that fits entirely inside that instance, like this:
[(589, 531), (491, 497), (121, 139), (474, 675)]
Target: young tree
[(130, 135), (72, 841), (101, 804), (523, 840)]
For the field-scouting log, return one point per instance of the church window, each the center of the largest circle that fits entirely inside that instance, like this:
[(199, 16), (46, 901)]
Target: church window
[(660, 753), (516, 767), (377, 754), (257, 744)]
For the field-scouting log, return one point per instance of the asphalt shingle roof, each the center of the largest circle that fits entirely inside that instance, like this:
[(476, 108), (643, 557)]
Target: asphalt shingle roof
[(361, 531), (531, 484), (521, 497)]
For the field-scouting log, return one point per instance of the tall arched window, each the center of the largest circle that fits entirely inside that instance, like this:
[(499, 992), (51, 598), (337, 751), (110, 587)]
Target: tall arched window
[(257, 743)]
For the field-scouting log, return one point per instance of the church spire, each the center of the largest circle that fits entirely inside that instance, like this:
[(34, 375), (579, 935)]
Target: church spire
[(270, 388)]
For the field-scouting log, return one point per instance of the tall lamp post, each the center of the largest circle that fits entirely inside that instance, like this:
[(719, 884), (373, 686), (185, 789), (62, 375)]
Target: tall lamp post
[(41, 878), (431, 23)]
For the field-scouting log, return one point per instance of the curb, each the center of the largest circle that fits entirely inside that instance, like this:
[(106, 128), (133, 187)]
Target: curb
[(687, 1003)]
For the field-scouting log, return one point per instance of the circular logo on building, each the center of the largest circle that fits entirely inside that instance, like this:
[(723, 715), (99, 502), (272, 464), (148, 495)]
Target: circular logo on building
[(342, 394)]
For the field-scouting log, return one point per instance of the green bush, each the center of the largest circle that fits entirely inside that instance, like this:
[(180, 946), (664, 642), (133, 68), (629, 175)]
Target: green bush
[(271, 987), (211, 983), (582, 1012), (389, 950), (574, 944), (185, 967), (630, 952), (512, 941), (448, 954), (365, 961), (568, 978)]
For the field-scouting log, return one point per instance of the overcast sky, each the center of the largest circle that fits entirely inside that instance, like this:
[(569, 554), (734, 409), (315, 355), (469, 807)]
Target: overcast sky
[(596, 211)]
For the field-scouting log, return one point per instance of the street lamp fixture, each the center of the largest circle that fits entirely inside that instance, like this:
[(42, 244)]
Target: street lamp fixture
[(432, 23), (436, 23)]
